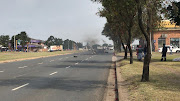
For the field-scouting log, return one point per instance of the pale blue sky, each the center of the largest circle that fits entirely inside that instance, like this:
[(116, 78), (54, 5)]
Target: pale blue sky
[(73, 19)]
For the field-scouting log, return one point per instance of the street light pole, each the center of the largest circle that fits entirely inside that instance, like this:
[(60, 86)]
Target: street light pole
[(14, 43), (68, 44)]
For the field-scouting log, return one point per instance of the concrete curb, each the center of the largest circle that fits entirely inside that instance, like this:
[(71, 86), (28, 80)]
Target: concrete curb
[(110, 89), (123, 91)]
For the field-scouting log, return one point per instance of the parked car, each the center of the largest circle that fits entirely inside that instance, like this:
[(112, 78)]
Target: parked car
[(174, 49)]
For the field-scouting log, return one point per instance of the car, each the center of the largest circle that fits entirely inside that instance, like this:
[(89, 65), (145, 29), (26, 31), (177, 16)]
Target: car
[(174, 49)]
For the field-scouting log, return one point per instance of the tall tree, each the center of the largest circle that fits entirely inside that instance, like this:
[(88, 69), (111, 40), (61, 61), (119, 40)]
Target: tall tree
[(148, 11)]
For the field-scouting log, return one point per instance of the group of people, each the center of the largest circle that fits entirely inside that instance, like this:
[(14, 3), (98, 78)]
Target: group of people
[(140, 52)]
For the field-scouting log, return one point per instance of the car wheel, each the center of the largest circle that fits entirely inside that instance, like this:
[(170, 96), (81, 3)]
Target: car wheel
[(177, 51)]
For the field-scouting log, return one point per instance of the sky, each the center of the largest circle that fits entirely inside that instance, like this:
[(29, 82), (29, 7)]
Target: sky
[(66, 19)]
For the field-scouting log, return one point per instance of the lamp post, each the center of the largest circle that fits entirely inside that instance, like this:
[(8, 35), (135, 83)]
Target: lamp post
[(14, 43)]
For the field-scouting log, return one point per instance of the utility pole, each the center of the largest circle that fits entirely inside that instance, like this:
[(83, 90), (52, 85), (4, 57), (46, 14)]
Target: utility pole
[(68, 44), (14, 43)]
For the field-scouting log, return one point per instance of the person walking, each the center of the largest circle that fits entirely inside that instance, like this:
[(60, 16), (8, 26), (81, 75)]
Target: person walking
[(164, 51)]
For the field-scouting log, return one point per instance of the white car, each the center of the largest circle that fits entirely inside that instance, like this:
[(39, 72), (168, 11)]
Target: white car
[(174, 49)]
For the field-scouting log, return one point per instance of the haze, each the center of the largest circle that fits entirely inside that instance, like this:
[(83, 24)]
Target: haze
[(73, 19)]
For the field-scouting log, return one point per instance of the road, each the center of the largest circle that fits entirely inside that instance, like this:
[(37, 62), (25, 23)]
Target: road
[(58, 78)]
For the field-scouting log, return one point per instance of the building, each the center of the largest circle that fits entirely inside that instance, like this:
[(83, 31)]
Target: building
[(35, 45), (168, 34)]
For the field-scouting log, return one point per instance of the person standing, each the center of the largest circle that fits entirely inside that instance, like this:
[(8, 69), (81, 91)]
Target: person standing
[(145, 50), (139, 53), (164, 51)]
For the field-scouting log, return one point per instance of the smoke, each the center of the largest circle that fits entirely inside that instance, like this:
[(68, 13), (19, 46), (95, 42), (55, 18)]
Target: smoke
[(91, 40)]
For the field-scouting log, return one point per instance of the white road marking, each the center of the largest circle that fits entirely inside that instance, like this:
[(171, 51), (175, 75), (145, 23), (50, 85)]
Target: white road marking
[(53, 73), (68, 67), (67, 57), (51, 61), (87, 59), (82, 60), (40, 63), (23, 67), (20, 87), (76, 63), (60, 59), (1, 71)]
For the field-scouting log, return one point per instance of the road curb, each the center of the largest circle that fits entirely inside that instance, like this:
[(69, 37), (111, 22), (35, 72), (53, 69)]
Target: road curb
[(122, 90), (110, 91)]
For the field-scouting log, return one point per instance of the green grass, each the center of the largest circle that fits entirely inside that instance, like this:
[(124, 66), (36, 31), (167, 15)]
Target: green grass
[(22, 55), (164, 84)]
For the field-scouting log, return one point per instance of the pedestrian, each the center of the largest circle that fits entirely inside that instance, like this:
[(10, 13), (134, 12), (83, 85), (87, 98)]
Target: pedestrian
[(139, 52), (164, 51), (170, 48)]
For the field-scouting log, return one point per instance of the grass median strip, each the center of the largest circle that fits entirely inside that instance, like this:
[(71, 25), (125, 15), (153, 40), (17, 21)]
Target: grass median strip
[(164, 84), (9, 56)]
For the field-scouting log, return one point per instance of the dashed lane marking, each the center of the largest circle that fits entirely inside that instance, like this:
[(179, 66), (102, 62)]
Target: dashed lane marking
[(76, 63), (51, 61), (20, 87), (1, 71), (40, 63), (23, 67), (53, 73), (68, 67)]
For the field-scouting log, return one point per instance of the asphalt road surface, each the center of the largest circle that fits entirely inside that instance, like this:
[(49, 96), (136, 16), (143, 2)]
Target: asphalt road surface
[(58, 78)]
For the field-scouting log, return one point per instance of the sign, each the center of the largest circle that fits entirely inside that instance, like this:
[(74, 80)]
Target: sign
[(18, 42)]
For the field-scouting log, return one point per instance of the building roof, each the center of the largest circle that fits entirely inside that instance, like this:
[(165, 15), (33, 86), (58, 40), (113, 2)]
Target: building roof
[(167, 24)]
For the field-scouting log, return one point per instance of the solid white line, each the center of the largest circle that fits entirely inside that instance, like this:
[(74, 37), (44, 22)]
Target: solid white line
[(68, 67), (20, 87), (53, 73), (40, 63), (1, 71)]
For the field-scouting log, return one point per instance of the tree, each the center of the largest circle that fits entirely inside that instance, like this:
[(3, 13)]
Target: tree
[(148, 11), (174, 12), (125, 13), (79, 45), (4, 40), (50, 41), (23, 37), (58, 41)]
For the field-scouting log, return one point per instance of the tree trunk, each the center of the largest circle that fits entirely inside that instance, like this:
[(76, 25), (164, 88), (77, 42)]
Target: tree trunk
[(131, 54), (129, 46), (125, 53), (145, 74)]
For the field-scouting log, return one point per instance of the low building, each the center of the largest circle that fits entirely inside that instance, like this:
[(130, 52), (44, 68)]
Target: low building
[(169, 34)]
